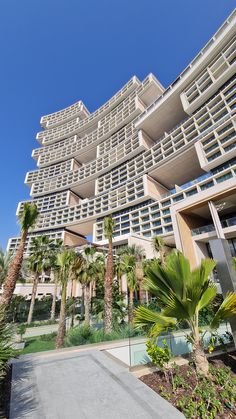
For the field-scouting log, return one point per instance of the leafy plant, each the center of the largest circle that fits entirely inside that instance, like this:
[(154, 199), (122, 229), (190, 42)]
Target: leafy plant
[(159, 356), (6, 350), (182, 294)]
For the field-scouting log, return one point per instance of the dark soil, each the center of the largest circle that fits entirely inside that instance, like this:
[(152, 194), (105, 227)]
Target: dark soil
[(5, 394), (186, 391)]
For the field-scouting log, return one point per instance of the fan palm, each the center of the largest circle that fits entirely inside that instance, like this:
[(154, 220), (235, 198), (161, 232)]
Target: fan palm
[(64, 262), (39, 261), (27, 219), (109, 225), (182, 294)]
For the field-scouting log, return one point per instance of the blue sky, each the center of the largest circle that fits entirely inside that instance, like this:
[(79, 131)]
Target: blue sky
[(55, 52)]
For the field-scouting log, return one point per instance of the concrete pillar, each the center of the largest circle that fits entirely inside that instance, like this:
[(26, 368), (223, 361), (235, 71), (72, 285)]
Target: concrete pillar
[(227, 275), (216, 220)]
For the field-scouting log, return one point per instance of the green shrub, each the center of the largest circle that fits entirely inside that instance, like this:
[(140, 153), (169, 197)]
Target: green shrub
[(159, 356), (79, 335)]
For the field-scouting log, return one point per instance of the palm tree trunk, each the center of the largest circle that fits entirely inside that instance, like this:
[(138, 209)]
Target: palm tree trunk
[(200, 360), (139, 276), (131, 303), (82, 310), (13, 272), (62, 322), (54, 298), (87, 304), (198, 354), (33, 297), (108, 291)]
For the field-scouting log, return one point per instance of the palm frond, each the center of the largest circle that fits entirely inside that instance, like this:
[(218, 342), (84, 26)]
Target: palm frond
[(207, 296), (157, 322), (225, 311)]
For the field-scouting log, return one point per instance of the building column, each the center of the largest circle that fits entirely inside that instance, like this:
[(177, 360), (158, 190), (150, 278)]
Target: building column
[(216, 220), (226, 273)]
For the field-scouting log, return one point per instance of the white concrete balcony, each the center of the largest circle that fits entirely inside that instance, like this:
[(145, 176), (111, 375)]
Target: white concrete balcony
[(78, 180), (85, 148), (155, 119), (52, 202), (78, 126), (155, 218), (136, 191), (14, 242), (218, 71), (77, 110), (219, 146), (50, 171), (173, 158), (68, 239)]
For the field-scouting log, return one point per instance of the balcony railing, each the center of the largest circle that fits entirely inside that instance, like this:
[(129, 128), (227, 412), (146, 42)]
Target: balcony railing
[(228, 222)]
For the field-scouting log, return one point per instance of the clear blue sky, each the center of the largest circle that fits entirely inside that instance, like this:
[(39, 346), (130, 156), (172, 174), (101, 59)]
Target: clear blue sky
[(55, 52)]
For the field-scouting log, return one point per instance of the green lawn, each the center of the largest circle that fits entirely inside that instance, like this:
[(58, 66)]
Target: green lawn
[(37, 344)]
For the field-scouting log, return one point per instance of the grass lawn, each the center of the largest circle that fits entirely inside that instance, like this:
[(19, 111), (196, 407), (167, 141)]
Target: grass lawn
[(38, 344)]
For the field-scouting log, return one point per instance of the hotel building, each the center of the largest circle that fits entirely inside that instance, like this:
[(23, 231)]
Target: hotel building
[(161, 161)]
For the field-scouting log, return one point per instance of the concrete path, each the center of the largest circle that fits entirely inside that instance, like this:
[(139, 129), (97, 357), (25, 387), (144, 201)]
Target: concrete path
[(85, 384)]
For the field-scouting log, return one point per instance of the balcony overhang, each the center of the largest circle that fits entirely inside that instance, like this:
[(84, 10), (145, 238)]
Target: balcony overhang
[(155, 119)]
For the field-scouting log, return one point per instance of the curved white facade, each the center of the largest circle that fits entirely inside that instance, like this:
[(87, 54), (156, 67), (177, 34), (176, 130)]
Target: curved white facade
[(141, 155)]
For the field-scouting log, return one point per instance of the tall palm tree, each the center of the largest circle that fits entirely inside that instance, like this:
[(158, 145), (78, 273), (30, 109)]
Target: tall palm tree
[(56, 248), (109, 225), (65, 260), (158, 246), (27, 219), (39, 261), (90, 267), (138, 253), (182, 294), (129, 266)]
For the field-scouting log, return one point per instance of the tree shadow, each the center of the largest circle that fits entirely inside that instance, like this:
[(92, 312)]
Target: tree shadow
[(23, 402)]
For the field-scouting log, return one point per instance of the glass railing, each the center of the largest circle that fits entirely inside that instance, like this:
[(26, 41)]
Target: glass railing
[(204, 229), (229, 222)]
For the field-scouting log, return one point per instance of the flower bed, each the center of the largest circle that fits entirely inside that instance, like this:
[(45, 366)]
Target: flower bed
[(196, 396)]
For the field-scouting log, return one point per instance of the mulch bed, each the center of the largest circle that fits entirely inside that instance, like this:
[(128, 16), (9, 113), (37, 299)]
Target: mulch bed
[(186, 384), (5, 395)]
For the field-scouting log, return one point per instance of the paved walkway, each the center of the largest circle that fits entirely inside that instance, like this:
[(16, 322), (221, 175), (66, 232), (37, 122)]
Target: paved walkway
[(86, 384)]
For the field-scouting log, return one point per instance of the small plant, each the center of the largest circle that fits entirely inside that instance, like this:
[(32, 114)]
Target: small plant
[(21, 329), (159, 356)]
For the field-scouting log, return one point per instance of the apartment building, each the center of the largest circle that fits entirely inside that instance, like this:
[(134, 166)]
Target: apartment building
[(161, 161)]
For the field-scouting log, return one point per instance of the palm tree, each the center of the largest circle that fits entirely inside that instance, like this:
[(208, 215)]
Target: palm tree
[(27, 219), (182, 294), (109, 225), (64, 262), (39, 262), (56, 248), (158, 246), (138, 253), (129, 266), (89, 269), (5, 259)]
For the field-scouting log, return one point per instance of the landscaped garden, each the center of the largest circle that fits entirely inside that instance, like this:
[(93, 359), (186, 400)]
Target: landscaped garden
[(163, 296)]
